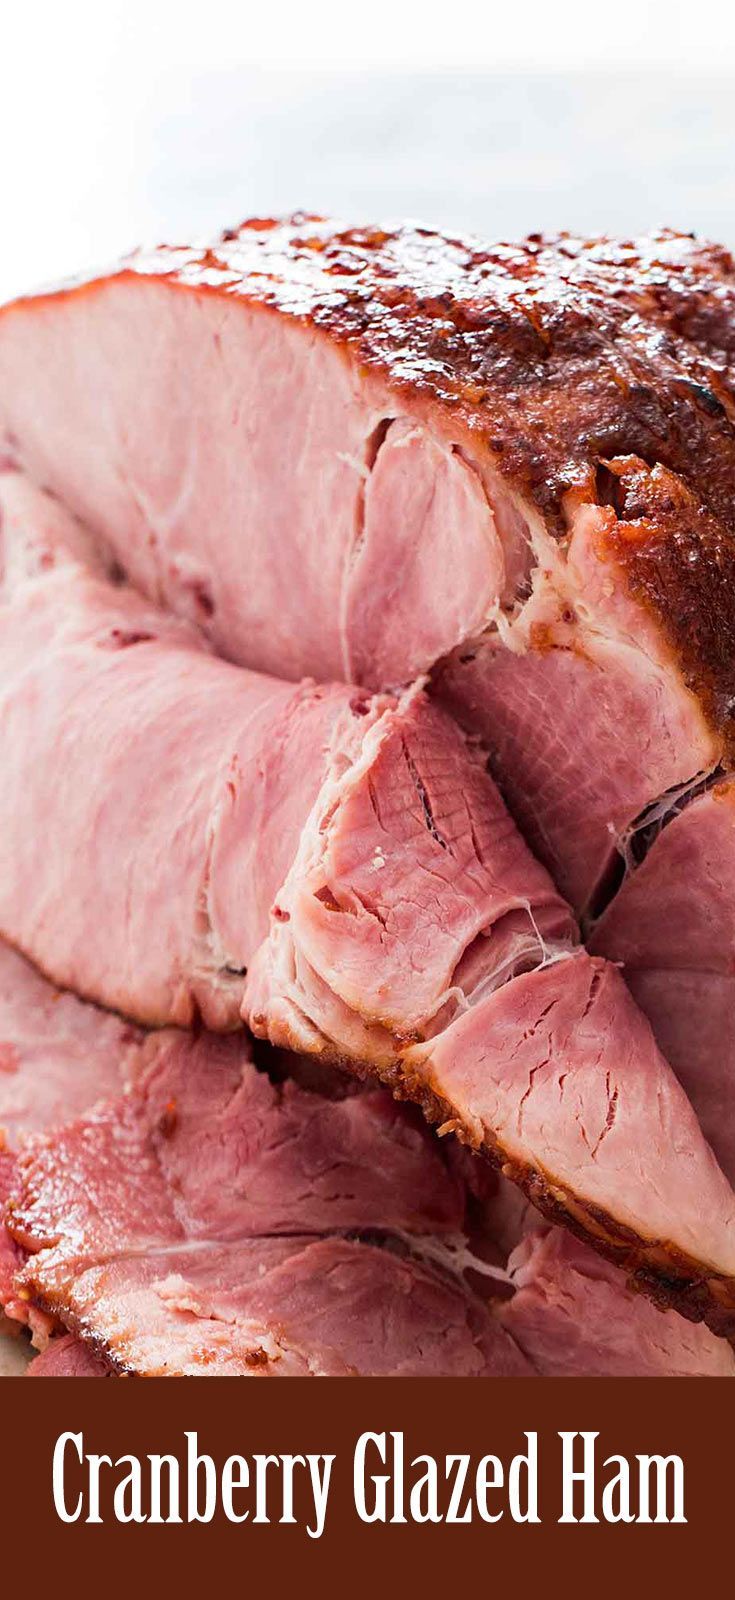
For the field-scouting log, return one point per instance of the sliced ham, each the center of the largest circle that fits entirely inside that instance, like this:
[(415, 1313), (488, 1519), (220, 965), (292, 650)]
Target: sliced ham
[(573, 1313), (408, 447), (339, 871), (181, 792), (672, 927), (68, 1357), (213, 1223), (208, 1167), (574, 1316), (238, 1161), (57, 1057), (586, 707)]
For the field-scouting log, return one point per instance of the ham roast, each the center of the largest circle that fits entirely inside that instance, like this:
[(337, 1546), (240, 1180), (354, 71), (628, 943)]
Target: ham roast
[(374, 457), (338, 871), (351, 452)]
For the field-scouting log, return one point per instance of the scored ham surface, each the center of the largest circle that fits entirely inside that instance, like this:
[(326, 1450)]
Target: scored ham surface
[(407, 447), (354, 856)]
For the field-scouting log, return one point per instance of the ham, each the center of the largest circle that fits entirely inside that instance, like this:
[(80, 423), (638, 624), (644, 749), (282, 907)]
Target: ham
[(672, 928), (411, 449), (185, 789), (338, 871), (204, 1152), (213, 1223), (574, 1316), (67, 1357), (508, 467), (57, 1057)]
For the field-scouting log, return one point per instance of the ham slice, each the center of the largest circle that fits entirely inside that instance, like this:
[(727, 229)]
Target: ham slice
[(212, 1223), (587, 708), (408, 446), (574, 1316), (338, 871), (183, 786), (237, 1155), (68, 1357), (57, 1057), (672, 927)]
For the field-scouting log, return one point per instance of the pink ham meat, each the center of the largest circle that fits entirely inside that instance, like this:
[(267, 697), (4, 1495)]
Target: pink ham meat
[(408, 447), (575, 1317), (211, 1223), (572, 1312), (672, 926), (227, 1164), (57, 1057), (585, 710), (185, 787), (60, 1055), (403, 904)]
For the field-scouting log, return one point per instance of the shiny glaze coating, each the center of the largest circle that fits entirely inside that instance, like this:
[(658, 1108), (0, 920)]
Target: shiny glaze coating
[(679, 562), (545, 360), (557, 354)]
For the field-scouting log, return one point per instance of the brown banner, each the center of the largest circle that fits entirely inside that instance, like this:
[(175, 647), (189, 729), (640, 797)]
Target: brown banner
[(520, 1423)]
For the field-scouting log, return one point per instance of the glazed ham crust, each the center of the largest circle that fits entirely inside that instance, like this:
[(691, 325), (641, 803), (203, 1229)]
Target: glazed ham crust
[(546, 357), (458, 373)]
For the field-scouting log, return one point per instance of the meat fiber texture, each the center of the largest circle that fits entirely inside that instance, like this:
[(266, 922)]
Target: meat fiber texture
[(227, 1146), (672, 927), (408, 447), (57, 1057), (205, 1165), (573, 1316), (212, 1223), (511, 466), (381, 912), (69, 1357)]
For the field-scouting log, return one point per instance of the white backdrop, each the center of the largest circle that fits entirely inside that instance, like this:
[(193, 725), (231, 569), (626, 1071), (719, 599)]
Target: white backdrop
[(121, 122)]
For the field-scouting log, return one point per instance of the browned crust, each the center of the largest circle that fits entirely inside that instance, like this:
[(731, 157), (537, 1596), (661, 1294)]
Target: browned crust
[(547, 358), (656, 1267), (679, 562), (553, 352)]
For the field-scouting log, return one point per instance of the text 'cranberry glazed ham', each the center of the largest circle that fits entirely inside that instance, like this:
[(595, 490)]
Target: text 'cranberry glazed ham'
[(405, 447), (339, 871)]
